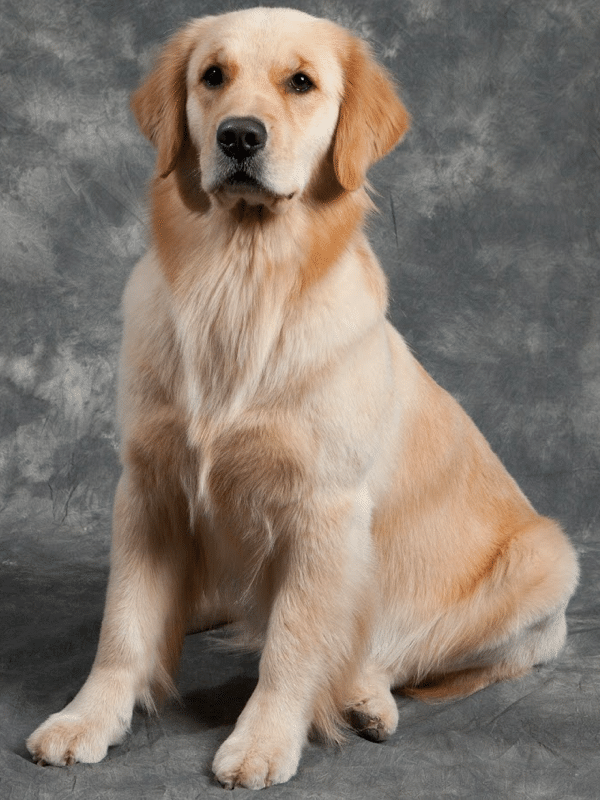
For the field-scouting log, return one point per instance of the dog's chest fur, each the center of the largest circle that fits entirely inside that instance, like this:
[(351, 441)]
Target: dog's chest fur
[(250, 369)]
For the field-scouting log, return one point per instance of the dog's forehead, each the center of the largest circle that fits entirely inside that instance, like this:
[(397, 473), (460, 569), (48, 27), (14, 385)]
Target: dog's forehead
[(260, 39)]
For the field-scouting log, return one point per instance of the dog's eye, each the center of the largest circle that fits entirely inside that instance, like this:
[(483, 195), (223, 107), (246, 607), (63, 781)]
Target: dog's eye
[(213, 77), (301, 82)]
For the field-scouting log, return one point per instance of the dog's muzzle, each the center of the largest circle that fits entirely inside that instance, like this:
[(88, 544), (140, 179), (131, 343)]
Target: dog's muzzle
[(240, 141)]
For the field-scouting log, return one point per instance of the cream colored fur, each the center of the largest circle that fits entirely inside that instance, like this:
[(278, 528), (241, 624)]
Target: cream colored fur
[(287, 464)]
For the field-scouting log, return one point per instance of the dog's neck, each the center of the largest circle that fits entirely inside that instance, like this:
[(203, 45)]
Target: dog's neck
[(308, 233), (238, 275)]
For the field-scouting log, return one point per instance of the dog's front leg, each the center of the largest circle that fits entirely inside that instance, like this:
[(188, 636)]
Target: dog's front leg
[(141, 623), (312, 633)]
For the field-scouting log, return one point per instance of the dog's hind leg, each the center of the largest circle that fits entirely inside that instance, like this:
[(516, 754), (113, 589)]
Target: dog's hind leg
[(517, 620), (141, 636), (536, 645)]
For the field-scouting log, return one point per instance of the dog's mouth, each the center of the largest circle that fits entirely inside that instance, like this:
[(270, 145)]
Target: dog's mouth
[(241, 180), (240, 183)]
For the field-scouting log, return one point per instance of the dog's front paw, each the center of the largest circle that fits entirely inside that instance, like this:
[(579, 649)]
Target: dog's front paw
[(66, 738), (254, 762)]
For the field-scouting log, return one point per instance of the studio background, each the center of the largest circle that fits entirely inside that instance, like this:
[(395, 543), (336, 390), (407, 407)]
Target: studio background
[(488, 230)]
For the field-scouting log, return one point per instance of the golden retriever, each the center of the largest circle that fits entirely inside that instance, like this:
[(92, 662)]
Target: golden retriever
[(287, 464)]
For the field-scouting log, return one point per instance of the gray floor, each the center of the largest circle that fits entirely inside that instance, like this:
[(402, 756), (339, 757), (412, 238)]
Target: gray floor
[(489, 234)]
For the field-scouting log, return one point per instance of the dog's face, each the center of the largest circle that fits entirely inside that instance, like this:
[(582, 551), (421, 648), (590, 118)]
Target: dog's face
[(266, 97), (262, 117)]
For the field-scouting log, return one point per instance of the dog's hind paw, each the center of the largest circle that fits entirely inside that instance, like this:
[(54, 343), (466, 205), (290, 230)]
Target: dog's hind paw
[(374, 718)]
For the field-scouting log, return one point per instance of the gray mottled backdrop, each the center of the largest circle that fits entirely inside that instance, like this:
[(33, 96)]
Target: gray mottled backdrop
[(489, 234)]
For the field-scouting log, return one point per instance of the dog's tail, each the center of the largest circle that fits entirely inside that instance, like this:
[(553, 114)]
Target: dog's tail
[(462, 683)]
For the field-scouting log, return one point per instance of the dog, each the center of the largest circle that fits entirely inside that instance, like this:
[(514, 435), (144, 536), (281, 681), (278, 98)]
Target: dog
[(288, 466)]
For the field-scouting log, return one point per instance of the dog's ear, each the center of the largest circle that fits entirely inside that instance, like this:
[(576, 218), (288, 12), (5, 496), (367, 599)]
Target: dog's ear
[(159, 104), (372, 119)]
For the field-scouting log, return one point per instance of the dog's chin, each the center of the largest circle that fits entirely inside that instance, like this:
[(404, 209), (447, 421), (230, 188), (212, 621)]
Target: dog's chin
[(243, 188)]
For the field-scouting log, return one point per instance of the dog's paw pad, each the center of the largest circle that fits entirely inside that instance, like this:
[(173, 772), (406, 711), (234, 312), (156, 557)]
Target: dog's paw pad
[(374, 717), (369, 727)]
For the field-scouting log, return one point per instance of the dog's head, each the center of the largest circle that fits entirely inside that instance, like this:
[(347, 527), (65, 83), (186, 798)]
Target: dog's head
[(266, 97)]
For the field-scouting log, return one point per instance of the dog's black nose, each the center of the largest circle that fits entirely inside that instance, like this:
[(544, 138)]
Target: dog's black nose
[(241, 137)]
